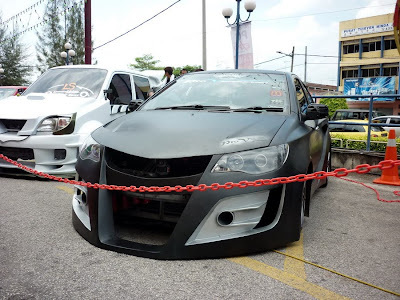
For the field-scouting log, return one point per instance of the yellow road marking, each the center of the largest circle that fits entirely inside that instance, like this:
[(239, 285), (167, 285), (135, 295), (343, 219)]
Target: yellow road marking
[(65, 189), (295, 266), (287, 278)]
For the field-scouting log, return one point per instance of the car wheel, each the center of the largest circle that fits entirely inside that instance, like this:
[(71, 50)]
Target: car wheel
[(328, 168)]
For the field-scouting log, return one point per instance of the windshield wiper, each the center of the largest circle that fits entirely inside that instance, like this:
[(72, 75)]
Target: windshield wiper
[(196, 107), (259, 109)]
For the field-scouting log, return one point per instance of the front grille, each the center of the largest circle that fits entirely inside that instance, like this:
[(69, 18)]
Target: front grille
[(147, 218), (17, 153), (13, 125), (156, 168)]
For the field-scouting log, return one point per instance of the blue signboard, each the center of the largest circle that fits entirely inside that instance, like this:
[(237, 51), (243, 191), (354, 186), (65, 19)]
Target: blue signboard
[(367, 86)]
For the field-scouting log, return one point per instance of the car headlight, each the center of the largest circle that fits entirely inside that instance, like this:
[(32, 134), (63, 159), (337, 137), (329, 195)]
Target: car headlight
[(90, 150), (54, 124), (254, 161)]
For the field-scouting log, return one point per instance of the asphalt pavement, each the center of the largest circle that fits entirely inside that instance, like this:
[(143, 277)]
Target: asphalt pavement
[(349, 233)]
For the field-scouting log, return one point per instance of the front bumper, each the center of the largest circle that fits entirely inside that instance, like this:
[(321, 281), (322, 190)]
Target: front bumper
[(51, 154), (208, 224)]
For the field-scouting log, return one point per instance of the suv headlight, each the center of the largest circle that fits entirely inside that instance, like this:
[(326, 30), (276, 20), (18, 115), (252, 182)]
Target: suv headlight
[(254, 161), (54, 124), (90, 150)]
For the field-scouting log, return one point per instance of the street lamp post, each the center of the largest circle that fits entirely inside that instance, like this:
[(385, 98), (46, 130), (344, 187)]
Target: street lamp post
[(1, 73), (290, 55), (250, 6), (68, 53)]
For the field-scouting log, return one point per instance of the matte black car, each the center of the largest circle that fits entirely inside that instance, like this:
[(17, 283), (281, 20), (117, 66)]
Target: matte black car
[(204, 128)]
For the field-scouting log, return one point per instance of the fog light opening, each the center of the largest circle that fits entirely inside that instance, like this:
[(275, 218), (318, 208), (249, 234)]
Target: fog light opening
[(60, 154), (225, 218)]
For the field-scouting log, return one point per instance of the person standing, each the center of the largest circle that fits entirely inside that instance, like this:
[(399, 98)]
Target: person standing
[(168, 74)]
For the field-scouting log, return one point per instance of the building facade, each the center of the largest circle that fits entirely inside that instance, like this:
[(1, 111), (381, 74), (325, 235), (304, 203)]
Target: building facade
[(317, 89), (369, 62)]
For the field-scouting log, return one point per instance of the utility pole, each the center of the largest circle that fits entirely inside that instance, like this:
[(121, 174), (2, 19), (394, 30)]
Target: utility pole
[(292, 55), (204, 66), (88, 32), (305, 67)]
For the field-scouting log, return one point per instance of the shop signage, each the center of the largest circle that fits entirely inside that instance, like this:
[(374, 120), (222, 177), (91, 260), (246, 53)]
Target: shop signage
[(367, 30)]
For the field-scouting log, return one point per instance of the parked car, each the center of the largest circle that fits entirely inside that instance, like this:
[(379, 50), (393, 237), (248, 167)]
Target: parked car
[(204, 128), (357, 114), (46, 126), (8, 91), (355, 129), (389, 120)]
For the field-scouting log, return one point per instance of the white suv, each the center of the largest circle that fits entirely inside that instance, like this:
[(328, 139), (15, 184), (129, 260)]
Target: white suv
[(389, 120), (45, 128)]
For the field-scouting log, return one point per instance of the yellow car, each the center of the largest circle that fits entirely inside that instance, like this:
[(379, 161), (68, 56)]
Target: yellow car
[(356, 130)]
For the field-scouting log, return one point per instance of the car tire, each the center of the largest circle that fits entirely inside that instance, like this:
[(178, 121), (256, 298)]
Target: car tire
[(328, 167)]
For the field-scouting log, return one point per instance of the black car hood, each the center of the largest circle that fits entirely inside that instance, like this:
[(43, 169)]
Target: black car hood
[(177, 133)]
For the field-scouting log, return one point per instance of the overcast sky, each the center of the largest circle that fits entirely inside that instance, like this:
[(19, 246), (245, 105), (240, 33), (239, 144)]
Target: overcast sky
[(175, 36)]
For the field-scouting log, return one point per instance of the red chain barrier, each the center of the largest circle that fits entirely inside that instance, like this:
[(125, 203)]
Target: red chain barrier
[(341, 172), (397, 193)]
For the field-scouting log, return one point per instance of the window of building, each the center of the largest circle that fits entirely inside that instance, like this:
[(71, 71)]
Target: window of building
[(353, 73), (390, 70), (390, 44), (371, 46), (370, 72), (352, 48)]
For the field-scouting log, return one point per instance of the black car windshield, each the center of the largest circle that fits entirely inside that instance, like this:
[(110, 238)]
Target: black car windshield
[(228, 90), (72, 82)]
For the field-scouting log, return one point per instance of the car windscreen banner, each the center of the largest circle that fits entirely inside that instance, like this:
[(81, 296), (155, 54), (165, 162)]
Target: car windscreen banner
[(370, 85)]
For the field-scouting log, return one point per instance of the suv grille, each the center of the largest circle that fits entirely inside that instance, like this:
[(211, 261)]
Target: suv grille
[(13, 125), (156, 168)]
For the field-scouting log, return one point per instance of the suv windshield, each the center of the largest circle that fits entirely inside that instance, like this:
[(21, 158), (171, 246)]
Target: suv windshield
[(72, 82), (224, 91)]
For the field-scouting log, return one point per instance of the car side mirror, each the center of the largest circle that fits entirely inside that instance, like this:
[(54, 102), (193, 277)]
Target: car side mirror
[(134, 104), (316, 111), (107, 92), (20, 90)]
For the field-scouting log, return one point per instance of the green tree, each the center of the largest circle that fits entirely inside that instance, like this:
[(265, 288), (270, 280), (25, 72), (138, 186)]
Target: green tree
[(146, 62), (177, 71), (334, 104), (76, 32), (50, 41), (13, 59), (65, 23)]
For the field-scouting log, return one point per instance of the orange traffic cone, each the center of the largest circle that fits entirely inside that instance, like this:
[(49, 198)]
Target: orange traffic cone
[(390, 176)]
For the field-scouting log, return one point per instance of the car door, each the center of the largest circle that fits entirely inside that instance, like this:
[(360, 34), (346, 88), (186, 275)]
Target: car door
[(142, 87), (318, 137), (119, 93), (396, 121)]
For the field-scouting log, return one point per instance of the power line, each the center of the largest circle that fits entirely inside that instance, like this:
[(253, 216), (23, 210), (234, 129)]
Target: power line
[(331, 56), (77, 4), (137, 25), (22, 12), (269, 60), (288, 67)]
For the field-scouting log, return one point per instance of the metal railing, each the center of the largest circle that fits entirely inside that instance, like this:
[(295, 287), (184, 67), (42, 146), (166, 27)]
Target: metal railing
[(346, 143), (371, 103)]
